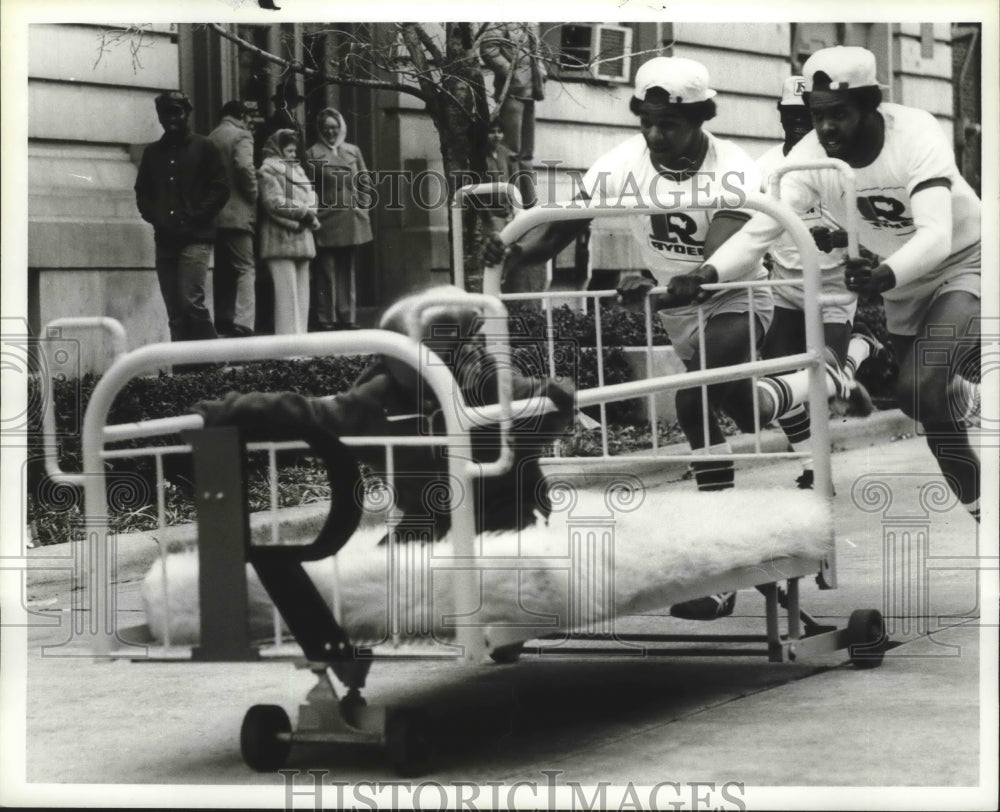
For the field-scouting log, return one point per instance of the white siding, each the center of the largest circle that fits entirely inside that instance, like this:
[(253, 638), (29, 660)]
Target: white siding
[(87, 120), (756, 38), (72, 54)]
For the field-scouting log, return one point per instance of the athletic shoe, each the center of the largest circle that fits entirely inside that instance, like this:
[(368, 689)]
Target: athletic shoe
[(805, 482), (859, 401), (878, 350), (850, 398), (710, 608)]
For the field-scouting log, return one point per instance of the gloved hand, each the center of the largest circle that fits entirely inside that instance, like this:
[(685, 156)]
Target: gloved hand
[(632, 292), (826, 240), (686, 288), (494, 251), (862, 275)]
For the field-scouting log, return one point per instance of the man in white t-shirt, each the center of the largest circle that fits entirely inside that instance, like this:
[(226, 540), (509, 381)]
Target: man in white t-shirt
[(672, 154), (920, 216), (787, 333)]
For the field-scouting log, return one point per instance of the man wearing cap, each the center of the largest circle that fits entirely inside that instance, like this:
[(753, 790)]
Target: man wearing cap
[(233, 275), (787, 333), (920, 215), (674, 158), (673, 155), (180, 188)]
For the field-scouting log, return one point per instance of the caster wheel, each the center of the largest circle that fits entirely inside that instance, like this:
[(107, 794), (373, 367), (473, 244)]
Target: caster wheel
[(408, 743), (507, 654), (351, 705), (262, 744), (866, 631)]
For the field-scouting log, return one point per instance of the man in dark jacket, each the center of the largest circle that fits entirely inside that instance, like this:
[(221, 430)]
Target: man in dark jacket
[(180, 188), (233, 275)]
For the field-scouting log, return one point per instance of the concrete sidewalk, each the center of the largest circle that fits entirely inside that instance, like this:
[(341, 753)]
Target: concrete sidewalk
[(825, 734), (51, 565)]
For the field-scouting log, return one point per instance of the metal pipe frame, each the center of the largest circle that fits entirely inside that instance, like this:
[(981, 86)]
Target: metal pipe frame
[(100, 541)]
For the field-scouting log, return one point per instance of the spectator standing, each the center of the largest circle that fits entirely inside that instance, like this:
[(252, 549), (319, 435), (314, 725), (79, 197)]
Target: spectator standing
[(286, 101), (335, 166), (511, 51), (288, 217), (233, 276), (180, 187), (500, 167)]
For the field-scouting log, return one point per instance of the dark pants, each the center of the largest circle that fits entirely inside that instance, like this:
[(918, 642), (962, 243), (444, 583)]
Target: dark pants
[(233, 280), (182, 271), (335, 298), (517, 116)]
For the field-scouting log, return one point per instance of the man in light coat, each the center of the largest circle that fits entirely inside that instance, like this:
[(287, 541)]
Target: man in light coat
[(233, 277)]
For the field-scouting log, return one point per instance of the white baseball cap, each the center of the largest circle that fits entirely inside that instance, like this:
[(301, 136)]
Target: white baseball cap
[(845, 67), (684, 80), (791, 92)]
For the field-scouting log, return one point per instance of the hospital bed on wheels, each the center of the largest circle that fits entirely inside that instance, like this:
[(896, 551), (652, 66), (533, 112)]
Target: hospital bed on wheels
[(323, 629)]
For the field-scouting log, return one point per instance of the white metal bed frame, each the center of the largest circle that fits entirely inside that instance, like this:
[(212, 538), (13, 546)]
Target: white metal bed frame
[(326, 717)]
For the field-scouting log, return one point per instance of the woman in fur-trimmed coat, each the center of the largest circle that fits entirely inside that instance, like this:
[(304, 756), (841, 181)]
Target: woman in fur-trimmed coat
[(288, 218)]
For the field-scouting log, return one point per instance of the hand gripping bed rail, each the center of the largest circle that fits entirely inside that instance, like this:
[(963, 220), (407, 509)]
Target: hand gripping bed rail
[(850, 204), (99, 541), (505, 191), (528, 219)]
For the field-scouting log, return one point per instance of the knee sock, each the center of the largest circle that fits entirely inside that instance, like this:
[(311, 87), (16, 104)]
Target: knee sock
[(795, 424), (859, 350), (784, 393), (714, 475)]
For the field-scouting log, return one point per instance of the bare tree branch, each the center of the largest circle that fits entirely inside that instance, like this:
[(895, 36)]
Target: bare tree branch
[(132, 35), (298, 67)]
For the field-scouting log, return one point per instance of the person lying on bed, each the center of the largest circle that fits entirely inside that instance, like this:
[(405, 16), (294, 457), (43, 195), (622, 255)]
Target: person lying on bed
[(388, 398)]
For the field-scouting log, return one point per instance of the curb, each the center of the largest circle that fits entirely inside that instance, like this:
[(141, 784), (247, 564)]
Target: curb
[(53, 564)]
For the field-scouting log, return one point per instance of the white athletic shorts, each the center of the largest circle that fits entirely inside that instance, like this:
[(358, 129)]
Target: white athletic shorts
[(906, 309), (792, 297), (681, 323)]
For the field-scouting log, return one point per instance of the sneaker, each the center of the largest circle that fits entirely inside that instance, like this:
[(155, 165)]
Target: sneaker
[(878, 351), (709, 608), (806, 480), (859, 402), (850, 398)]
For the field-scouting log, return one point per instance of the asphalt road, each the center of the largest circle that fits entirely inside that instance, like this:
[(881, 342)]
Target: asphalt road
[(757, 733)]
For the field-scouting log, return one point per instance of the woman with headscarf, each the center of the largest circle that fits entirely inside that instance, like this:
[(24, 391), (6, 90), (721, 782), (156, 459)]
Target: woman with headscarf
[(334, 166), (288, 218)]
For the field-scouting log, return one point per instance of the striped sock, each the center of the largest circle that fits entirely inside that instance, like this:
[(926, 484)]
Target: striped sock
[(779, 397), (795, 424), (859, 350), (714, 475)]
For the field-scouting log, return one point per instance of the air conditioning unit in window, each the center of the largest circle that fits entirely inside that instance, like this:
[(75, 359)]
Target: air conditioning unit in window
[(602, 51)]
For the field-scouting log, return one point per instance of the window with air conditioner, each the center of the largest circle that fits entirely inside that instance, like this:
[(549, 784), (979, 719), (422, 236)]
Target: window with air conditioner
[(593, 51)]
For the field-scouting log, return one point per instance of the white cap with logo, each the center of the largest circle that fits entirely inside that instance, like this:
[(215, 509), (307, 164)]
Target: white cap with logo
[(843, 67), (684, 80), (791, 92)]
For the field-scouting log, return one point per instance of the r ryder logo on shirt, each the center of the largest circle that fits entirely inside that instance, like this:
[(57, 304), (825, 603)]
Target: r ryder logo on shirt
[(884, 212), (673, 234)]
